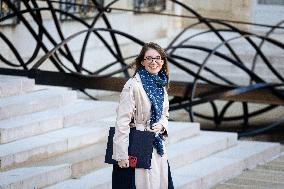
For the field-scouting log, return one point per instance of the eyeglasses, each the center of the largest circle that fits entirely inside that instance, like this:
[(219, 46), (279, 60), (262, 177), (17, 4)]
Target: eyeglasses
[(150, 59)]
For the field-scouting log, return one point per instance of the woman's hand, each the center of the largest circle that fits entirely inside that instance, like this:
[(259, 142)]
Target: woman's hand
[(123, 163), (157, 127)]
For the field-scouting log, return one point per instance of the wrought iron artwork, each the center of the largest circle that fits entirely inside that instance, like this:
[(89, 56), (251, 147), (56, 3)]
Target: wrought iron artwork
[(5, 10), (202, 83), (150, 5)]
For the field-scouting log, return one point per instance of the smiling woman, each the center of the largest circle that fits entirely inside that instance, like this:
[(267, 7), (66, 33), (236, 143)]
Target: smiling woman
[(144, 99), (152, 61), (153, 58)]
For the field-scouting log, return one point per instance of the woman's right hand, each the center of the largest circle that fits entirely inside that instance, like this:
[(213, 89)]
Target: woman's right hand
[(123, 163), (157, 127)]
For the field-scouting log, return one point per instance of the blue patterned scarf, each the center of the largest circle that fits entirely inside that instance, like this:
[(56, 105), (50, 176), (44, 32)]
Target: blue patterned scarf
[(154, 88)]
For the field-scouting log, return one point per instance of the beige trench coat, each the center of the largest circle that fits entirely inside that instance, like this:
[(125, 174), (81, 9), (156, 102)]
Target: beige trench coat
[(135, 102)]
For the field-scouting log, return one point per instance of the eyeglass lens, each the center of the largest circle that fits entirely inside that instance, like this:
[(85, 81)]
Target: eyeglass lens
[(150, 59)]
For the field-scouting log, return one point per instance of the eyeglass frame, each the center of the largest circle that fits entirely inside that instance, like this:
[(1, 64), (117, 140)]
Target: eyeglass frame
[(157, 59)]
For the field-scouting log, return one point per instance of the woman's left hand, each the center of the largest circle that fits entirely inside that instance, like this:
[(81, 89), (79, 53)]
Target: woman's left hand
[(157, 127)]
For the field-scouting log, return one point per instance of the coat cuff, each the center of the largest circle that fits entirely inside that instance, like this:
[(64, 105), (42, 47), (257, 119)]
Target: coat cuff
[(164, 121)]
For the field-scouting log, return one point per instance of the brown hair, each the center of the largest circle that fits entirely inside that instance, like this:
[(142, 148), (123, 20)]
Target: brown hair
[(161, 51)]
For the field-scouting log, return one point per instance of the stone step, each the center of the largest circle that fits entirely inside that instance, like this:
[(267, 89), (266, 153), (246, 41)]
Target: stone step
[(240, 47), (177, 130), (93, 155), (97, 179), (123, 21), (11, 85), (43, 146), (224, 165), (235, 186), (182, 130), (259, 183), (229, 71), (41, 122), (212, 38), (252, 153), (259, 177), (196, 148), (34, 177), (223, 66), (220, 66), (29, 125), (180, 154), (239, 79), (267, 175), (89, 110), (275, 166), (34, 102), (81, 161), (204, 173)]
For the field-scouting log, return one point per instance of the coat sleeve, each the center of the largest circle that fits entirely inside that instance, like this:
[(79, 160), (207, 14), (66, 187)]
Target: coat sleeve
[(165, 114), (125, 111)]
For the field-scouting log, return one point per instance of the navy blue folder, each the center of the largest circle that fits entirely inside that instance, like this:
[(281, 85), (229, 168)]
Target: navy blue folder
[(140, 147)]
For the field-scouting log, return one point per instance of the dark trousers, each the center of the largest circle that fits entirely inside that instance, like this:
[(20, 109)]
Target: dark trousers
[(124, 178)]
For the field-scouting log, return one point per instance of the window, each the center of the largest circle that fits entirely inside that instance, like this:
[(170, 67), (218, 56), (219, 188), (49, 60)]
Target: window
[(6, 10), (271, 2), (149, 5), (83, 8)]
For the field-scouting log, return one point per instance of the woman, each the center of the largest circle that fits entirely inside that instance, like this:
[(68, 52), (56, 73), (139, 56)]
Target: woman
[(144, 98)]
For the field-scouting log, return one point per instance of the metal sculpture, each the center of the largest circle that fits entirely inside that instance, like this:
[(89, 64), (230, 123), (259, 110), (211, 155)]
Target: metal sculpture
[(64, 61)]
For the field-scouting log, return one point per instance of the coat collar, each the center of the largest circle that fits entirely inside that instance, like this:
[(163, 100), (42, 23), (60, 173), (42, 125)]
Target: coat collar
[(137, 77)]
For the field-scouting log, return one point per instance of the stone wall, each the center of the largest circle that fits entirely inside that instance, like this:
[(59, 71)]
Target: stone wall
[(221, 9)]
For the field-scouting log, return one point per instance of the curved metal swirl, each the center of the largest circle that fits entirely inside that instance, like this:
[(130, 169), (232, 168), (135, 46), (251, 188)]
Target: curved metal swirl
[(57, 52)]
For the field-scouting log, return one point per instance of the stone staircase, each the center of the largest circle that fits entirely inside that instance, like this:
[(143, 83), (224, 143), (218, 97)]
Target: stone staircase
[(51, 139), (226, 69), (269, 175)]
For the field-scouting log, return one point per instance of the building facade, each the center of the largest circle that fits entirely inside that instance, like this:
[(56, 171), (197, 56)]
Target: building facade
[(146, 27)]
